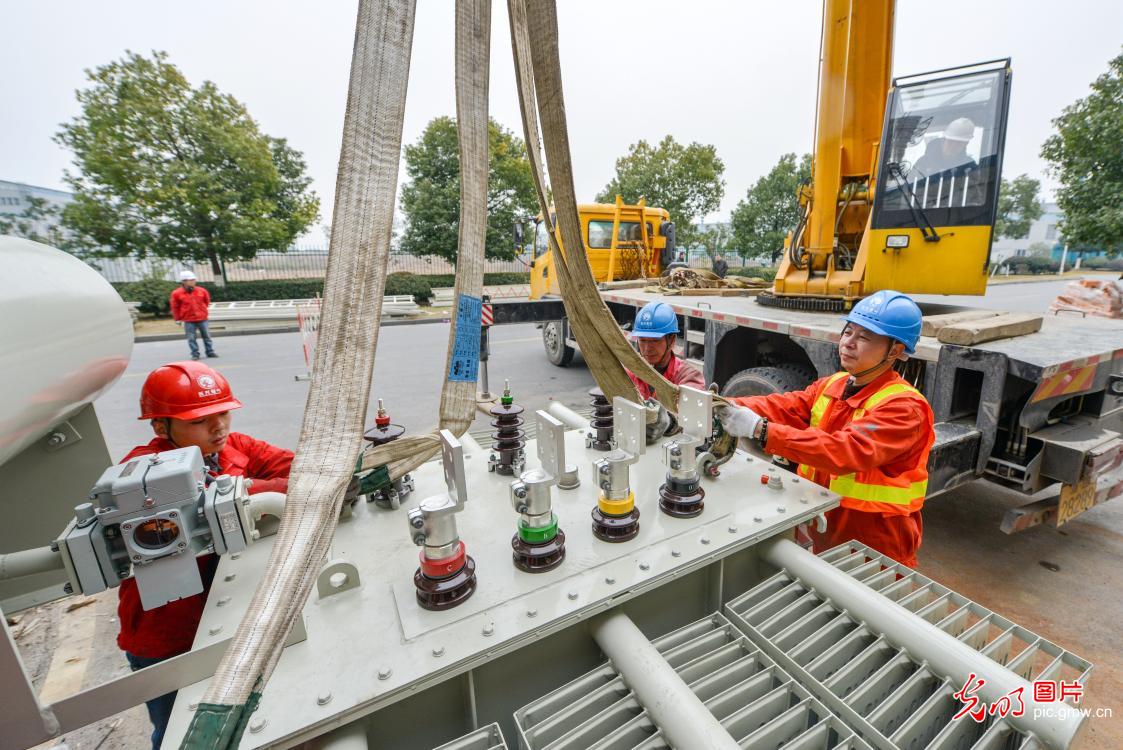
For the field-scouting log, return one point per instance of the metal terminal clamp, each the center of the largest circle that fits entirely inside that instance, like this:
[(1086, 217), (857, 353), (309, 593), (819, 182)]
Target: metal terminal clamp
[(615, 519), (447, 575), (539, 545), (681, 495)]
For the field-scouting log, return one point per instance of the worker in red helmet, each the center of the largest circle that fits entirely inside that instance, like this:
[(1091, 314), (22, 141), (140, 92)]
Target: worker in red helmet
[(189, 404), (864, 431)]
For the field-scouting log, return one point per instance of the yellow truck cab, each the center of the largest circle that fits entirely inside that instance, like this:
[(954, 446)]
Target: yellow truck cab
[(618, 244)]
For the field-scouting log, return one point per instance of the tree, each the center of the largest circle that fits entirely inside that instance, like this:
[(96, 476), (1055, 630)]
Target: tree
[(1085, 156), (431, 198), (685, 180), (770, 209), (177, 172), (1018, 207), (25, 223)]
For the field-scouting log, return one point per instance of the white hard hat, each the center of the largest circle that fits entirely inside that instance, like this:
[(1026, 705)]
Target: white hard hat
[(961, 130), (186, 276)]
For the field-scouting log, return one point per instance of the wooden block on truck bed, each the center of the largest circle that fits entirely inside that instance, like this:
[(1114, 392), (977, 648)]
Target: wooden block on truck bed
[(989, 329), (933, 323)]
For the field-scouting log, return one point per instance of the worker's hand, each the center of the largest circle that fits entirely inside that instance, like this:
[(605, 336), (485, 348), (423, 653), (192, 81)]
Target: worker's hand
[(657, 428), (738, 420)]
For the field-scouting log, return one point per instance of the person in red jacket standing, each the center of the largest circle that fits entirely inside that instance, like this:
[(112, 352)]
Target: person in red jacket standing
[(865, 433), (190, 305), (189, 404)]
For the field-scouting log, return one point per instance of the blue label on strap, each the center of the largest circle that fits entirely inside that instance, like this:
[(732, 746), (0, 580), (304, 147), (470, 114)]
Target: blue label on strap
[(465, 361)]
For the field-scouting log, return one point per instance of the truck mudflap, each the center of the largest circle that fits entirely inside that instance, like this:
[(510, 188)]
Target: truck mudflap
[(1101, 480)]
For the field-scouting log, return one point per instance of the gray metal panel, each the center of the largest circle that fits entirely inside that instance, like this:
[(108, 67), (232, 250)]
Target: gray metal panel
[(484, 738), (886, 693), (753, 699)]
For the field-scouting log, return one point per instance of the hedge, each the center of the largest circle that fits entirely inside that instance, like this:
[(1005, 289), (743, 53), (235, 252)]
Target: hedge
[(152, 294), (768, 273)]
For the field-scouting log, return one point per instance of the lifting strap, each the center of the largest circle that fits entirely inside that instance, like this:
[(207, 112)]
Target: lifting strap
[(534, 42), (334, 415)]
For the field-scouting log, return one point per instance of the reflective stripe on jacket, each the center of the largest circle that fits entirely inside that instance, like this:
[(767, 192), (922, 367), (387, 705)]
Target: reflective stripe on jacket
[(871, 448)]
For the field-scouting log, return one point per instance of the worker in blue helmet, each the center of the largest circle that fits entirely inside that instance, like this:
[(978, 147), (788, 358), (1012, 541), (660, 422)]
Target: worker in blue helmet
[(655, 331), (864, 432)]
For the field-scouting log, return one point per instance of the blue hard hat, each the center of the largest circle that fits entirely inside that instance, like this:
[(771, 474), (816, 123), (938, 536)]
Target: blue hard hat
[(891, 314), (654, 321)]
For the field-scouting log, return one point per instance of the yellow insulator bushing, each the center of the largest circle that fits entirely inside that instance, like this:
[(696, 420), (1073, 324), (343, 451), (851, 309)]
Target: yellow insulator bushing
[(617, 507)]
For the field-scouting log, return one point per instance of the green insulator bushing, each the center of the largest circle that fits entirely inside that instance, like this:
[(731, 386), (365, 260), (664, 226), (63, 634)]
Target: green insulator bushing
[(540, 534)]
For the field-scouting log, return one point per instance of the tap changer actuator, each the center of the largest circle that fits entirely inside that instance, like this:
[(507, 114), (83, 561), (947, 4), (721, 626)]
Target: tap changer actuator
[(150, 517), (616, 518), (446, 576), (539, 545)]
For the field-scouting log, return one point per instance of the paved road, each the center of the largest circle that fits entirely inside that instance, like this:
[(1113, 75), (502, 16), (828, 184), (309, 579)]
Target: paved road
[(407, 376), (1033, 296)]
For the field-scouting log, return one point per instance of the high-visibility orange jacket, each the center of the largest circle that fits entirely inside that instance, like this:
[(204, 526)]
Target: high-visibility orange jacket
[(871, 448)]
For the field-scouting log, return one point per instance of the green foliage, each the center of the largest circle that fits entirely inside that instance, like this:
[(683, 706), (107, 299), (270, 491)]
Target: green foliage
[(770, 209), (152, 294), (768, 273), (1085, 154), (178, 172), (1018, 207), (685, 180), (431, 198), (1103, 264), (23, 223), (1032, 264)]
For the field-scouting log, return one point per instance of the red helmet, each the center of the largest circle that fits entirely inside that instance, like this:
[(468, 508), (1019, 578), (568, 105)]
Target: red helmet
[(185, 390)]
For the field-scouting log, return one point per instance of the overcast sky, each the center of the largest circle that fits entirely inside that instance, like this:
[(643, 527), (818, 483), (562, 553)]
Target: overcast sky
[(739, 75)]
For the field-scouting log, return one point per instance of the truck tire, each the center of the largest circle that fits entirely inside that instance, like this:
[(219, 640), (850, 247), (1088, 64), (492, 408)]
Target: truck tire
[(558, 352), (764, 381)]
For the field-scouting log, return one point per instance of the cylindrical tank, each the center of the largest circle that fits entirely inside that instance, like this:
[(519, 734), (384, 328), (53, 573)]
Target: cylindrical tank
[(66, 338)]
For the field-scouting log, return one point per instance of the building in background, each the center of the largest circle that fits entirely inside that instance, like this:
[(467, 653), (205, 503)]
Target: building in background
[(16, 198), (1044, 240)]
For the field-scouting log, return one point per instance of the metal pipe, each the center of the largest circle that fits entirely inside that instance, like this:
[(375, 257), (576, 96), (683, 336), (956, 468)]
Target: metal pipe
[(572, 419), (267, 504), (1056, 724), (28, 562), (351, 736), (673, 707)]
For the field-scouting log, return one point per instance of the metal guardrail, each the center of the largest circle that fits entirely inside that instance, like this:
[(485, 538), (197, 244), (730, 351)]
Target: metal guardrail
[(891, 695), (397, 305), (754, 700)]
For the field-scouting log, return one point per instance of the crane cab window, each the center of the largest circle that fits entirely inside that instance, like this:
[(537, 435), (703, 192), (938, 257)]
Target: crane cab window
[(600, 233), (942, 149)]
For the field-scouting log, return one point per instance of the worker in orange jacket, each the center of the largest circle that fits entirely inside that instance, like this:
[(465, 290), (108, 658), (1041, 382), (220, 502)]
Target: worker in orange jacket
[(865, 433)]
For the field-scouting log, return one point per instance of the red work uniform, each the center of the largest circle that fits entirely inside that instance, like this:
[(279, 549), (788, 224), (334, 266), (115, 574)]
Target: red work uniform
[(190, 306), (679, 372), (169, 630), (871, 448)]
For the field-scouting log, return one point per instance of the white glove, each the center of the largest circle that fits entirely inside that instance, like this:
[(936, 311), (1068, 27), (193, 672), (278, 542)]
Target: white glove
[(658, 427), (739, 421)]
